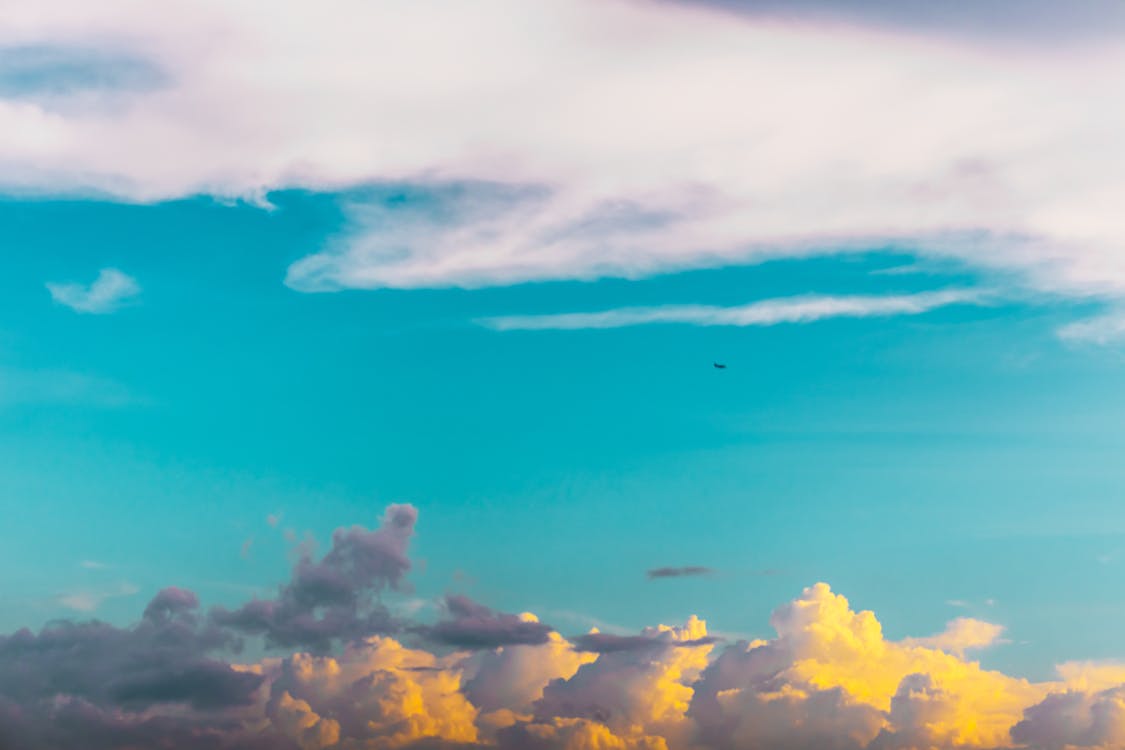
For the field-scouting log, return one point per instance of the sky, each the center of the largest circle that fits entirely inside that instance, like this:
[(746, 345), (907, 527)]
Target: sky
[(360, 375)]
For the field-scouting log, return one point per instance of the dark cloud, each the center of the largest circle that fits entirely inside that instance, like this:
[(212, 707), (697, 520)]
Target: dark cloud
[(1032, 20), (474, 626), (98, 683), (67, 724), (687, 570), (336, 598)]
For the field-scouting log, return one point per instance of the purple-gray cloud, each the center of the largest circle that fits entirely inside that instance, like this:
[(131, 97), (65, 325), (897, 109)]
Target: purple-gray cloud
[(682, 572), (335, 598), (608, 643), (474, 626), (101, 683)]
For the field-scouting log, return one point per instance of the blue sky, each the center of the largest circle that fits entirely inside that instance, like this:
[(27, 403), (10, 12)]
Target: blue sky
[(965, 454), (358, 379)]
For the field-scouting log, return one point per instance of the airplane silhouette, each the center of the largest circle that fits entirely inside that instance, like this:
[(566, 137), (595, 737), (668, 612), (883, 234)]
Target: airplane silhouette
[(718, 366)]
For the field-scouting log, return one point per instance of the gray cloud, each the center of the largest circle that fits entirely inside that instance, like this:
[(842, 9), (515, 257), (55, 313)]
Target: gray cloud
[(88, 679), (687, 570), (474, 626), (335, 598)]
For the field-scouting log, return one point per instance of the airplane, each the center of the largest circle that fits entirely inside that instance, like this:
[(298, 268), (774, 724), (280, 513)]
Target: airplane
[(719, 366)]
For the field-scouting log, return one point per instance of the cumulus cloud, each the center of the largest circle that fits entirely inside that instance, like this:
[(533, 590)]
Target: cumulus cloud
[(511, 678), (583, 138), (828, 678), (108, 292), (377, 694)]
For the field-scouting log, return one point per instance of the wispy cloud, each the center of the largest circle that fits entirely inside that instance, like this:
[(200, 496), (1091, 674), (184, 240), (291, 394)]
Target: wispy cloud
[(1102, 330), (89, 600), (803, 309), (107, 293)]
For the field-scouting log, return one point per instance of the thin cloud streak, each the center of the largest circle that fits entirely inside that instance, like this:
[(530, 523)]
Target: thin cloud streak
[(687, 570), (802, 309)]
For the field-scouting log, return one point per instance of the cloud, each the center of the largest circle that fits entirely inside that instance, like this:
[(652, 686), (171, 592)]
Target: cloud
[(687, 570), (962, 634), (828, 678), (608, 643), (600, 137), (768, 312), (87, 674), (334, 598), (89, 600), (472, 625), (107, 293), (377, 694), (1101, 329), (511, 678)]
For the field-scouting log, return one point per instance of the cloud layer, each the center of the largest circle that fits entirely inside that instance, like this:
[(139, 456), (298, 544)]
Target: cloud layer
[(582, 138), (826, 678)]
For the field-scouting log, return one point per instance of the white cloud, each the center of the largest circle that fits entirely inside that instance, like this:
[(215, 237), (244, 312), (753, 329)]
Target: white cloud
[(640, 136), (768, 312), (107, 293)]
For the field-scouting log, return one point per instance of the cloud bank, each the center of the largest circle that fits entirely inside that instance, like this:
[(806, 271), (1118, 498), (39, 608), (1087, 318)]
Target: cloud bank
[(477, 678), (572, 139)]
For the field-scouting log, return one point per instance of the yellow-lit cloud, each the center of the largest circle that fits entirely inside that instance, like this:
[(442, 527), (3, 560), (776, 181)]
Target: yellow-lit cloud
[(829, 679)]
